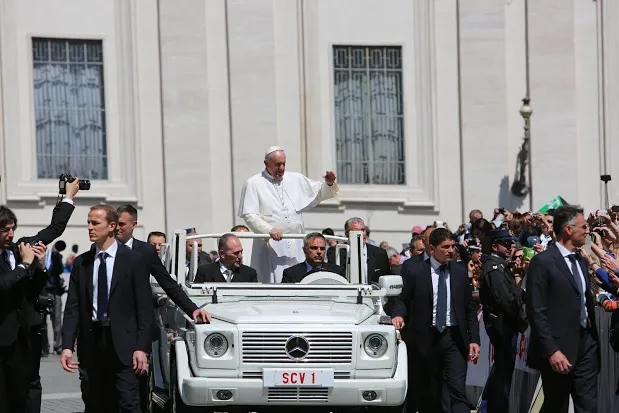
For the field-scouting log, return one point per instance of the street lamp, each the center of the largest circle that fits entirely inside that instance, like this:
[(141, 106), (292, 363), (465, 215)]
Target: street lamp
[(526, 112), (523, 183)]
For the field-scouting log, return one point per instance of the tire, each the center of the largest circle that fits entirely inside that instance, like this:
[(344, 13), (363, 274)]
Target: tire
[(176, 402)]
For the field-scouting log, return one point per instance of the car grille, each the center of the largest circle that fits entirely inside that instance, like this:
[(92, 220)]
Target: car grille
[(296, 394), (270, 347)]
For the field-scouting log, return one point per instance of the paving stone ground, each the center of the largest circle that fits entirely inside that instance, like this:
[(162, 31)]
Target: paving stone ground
[(61, 390)]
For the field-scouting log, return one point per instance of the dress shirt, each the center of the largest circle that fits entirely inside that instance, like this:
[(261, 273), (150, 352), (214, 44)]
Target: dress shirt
[(224, 271), (450, 318), (48, 258), (11, 257), (109, 266), (310, 267), (566, 257), (129, 244)]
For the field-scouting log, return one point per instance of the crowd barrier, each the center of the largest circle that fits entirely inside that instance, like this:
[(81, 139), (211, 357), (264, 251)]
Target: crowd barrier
[(525, 380)]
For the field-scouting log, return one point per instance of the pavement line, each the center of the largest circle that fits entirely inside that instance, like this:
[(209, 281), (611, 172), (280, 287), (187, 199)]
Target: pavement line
[(58, 396)]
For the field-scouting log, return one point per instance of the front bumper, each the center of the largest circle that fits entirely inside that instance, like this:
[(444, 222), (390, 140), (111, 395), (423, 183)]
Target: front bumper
[(202, 391)]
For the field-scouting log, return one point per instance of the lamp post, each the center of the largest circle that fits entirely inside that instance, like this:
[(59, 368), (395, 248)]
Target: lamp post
[(526, 112)]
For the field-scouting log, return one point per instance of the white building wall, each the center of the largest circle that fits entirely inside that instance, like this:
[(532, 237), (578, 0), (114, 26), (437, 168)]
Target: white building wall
[(132, 97), (197, 90)]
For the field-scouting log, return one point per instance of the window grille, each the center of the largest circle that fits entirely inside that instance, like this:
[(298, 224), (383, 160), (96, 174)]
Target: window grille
[(69, 104), (369, 124)]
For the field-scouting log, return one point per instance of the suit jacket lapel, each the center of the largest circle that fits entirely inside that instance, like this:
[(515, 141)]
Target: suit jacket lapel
[(118, 271), (454, 280), (564, 269), (88, 268), (427, 279)]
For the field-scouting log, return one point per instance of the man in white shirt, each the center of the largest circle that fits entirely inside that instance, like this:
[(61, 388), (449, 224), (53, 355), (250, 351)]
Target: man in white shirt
[(273, 202)]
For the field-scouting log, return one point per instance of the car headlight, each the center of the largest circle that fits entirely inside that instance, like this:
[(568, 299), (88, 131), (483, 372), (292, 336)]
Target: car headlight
[(375, 345), (216, 345)]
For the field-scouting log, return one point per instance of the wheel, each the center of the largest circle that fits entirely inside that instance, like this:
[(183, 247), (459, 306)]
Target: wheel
[(177, 405)]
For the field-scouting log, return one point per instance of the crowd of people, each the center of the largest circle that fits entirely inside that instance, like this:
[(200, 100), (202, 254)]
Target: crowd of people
[(521, 270)]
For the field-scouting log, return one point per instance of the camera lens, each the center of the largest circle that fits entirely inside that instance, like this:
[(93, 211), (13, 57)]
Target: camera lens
[(84, 185)]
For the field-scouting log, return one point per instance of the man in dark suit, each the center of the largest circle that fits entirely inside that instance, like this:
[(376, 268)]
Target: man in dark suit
[(230, 266), (33, 309), (109, 310), (127, 222), (441, 316), (377, 261), (314, 247), (22, 277), (560, 308)]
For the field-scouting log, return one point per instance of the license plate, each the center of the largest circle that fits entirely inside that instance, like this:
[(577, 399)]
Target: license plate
[(297, 377)]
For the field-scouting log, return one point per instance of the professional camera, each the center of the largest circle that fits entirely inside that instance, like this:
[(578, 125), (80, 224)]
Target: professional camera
[(84, 184), (43, 304)]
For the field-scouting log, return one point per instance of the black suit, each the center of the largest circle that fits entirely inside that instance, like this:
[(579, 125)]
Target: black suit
[(20, 324), (156, 268), (106, 351), (297, 272), (553, 302), (211, 273), (378, 262), (430, 350)]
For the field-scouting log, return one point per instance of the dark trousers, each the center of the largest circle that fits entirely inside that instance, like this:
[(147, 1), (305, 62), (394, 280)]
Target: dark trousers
[(112, 386), (14, 362), (581, 382), (56, 319), (445, 365), (498, 385), (35, 391)]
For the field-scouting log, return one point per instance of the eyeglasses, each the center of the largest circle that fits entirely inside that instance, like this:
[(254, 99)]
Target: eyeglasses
[(585, 226)]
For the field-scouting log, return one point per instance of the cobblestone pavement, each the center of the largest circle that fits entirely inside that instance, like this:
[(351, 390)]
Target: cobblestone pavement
[(61, 390)]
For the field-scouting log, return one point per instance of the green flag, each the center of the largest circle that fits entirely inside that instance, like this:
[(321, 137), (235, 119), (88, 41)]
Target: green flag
[(554, 204)]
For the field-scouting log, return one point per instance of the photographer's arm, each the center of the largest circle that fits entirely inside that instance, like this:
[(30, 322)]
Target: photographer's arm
[(21, 271), (39, 275), (60, 217)]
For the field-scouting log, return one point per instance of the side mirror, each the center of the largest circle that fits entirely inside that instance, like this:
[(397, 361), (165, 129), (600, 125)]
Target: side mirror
[(392, 284)]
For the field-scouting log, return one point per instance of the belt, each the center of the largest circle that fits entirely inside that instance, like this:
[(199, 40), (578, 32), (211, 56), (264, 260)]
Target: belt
[(100, 324)]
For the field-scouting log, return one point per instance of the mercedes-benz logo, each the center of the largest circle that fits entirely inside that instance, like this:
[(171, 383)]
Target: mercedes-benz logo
[(297, 347)]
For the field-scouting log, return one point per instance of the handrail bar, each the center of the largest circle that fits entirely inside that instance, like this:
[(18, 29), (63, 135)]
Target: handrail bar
[(252, 235)]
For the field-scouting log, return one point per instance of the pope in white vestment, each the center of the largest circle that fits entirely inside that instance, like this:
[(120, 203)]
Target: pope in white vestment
[(273, 202)]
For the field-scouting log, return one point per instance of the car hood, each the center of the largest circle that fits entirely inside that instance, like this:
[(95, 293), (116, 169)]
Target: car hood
[(261, 312)]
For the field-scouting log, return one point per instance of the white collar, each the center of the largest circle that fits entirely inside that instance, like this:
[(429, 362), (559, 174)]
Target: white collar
[(111, 251), (129, 243), (223, 268), (564, 251), (435, 264)]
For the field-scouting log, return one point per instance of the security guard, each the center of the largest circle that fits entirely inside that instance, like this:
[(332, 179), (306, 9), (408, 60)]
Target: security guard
[(504, 317)]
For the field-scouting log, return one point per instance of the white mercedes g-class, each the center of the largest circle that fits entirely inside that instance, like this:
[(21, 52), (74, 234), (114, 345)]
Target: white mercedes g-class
[(324, 343)]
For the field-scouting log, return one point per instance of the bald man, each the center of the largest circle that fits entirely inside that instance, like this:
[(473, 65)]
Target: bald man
[(272, 202)]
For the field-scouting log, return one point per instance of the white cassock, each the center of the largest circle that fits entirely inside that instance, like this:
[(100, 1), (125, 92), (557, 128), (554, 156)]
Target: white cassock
[(267, 203)]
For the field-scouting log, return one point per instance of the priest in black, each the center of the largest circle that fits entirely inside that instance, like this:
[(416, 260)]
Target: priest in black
[(437, 306), (314, 247), (229, 267), (377, 260)]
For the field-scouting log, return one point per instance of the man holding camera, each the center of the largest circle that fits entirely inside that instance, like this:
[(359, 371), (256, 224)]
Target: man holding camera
[(22, 306)]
